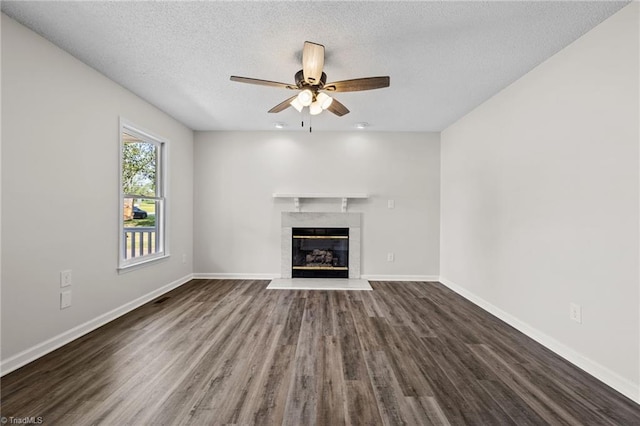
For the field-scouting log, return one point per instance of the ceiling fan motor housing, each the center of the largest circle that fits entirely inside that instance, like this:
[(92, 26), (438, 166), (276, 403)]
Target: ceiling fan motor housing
[(302, 84)]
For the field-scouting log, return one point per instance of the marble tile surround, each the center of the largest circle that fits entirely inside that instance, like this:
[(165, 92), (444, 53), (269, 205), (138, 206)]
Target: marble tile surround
[(290, 220)]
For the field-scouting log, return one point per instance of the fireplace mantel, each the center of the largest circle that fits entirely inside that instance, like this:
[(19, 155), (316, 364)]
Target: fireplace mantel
[(341, 196)]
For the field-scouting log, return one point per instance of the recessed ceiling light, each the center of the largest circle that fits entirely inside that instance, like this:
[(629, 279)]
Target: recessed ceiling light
[(280, 125), (362, 125)]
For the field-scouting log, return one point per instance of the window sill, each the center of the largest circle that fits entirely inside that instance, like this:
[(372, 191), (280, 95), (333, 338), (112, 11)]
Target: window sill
[(143, 263)]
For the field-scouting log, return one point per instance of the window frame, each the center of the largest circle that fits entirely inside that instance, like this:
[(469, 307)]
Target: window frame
[(132, 129)]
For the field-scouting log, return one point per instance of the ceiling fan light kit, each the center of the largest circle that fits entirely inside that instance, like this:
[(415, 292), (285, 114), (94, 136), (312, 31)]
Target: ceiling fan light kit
[(315, 108), (305, 97), (296, 104), (324, 100), (311, 82)]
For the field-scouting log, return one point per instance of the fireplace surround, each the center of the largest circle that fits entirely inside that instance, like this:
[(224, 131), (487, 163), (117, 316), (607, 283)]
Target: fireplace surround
[(350, 225)]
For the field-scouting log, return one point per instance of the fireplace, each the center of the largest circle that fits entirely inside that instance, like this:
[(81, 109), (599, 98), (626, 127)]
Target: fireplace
[(306, 220), (320, 253)]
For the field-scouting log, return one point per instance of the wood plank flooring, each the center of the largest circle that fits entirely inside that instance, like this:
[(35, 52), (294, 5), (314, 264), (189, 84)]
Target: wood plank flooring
[(221, 352)]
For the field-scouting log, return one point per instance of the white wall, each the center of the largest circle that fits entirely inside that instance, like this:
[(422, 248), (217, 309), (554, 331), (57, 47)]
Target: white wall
[(238, 221), (60, 195), (540, 198)]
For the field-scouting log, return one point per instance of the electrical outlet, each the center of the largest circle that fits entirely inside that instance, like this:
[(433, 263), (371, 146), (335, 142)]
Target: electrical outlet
[(65, 278), (391, 204), (184, 258), (65, 299), (390, 257), (575, 312)]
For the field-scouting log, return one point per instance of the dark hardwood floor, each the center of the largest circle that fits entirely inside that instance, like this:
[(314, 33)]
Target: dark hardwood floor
[(232, 352)]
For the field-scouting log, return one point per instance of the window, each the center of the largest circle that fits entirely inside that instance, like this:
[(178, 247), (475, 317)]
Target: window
[(142, 196)]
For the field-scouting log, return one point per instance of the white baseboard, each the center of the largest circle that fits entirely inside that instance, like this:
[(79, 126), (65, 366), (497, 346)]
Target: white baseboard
[(617, 382), (234, 276), (274, 275), (41, 349), (371, 277)]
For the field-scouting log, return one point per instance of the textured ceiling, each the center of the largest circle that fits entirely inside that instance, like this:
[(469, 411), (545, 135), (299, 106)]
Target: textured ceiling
[(444, 58)]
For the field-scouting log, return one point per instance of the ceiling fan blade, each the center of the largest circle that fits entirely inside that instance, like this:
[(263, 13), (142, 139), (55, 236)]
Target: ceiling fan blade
[(283, 105), (312, 62), (357, 84), (263, 82), (337, 108)]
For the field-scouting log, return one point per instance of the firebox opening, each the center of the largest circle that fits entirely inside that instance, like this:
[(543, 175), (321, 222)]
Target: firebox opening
[(320, 253)]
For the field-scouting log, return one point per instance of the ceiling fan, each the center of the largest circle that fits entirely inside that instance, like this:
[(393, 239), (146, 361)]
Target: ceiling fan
[(311, 82)]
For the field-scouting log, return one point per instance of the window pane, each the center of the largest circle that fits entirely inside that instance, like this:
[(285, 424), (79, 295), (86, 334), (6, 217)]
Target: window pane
[(140, 227), (142, 201), (139, 167)]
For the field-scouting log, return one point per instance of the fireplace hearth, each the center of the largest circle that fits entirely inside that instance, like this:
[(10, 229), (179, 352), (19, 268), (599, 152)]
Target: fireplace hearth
[(320, 253)]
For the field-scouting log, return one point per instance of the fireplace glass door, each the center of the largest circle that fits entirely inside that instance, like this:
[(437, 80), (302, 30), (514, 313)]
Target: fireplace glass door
[(320, 253)]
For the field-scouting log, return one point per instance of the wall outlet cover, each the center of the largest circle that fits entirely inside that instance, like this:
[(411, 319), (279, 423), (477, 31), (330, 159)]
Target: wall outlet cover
[(65, 278), (575, 312), (65, 299)]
